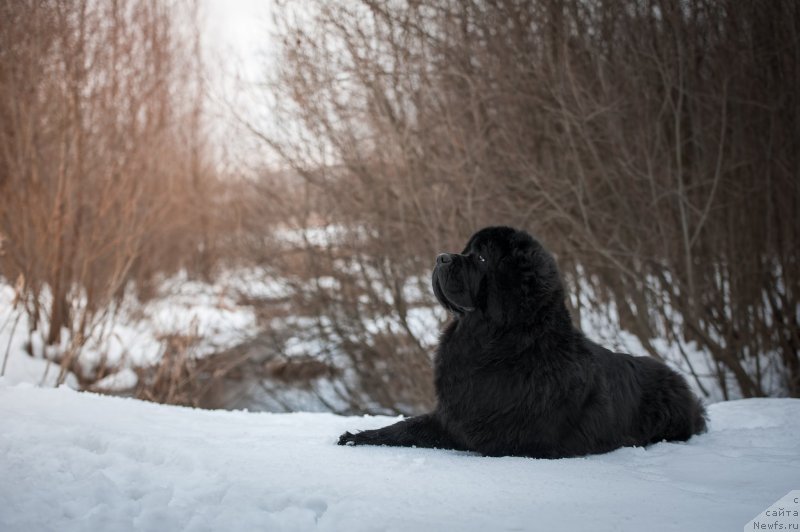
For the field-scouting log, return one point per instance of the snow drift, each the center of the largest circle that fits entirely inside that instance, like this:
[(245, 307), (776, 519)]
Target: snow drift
[(78, 461)]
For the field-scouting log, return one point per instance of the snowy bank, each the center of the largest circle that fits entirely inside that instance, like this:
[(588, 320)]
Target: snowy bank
[(78, 461), (133, 334)]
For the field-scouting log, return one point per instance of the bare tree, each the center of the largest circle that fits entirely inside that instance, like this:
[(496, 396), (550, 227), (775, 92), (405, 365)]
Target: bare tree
[(102, 176)]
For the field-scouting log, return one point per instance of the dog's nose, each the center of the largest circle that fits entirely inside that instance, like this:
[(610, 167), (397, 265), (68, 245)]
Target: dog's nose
[(443, 258)]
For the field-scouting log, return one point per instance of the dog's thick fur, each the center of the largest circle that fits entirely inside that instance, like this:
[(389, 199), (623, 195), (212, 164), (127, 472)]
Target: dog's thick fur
[(515, 377)]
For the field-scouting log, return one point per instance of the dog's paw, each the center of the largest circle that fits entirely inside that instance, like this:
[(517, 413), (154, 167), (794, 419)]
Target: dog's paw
[(347, 439)]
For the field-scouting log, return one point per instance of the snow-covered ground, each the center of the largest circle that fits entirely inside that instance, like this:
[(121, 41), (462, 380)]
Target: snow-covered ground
[(219, 315), (133, 335), (22, 368), (78, 461)]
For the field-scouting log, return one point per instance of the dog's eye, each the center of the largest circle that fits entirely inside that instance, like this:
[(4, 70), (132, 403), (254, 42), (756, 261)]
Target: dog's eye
[(480, 258)]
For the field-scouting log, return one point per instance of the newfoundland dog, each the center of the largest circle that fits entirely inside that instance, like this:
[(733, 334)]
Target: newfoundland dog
[(515, 377)]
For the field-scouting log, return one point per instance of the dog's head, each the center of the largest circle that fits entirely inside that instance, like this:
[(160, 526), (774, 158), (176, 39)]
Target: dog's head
[(501, 273)]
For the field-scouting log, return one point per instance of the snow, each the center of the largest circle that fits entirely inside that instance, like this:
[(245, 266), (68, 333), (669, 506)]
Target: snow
[(133, 335), (24, 369), (122, 380), (210, 312), (78, 461), (215, 316)]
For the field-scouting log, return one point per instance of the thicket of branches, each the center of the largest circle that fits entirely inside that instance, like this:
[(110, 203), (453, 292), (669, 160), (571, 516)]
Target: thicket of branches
[(652, 145), (103, 176)]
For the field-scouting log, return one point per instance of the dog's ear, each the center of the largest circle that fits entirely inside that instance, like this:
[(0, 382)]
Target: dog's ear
[(492, 302), (537, 268)]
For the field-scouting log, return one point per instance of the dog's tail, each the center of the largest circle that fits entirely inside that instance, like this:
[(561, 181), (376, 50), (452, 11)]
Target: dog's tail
[(699, 416)]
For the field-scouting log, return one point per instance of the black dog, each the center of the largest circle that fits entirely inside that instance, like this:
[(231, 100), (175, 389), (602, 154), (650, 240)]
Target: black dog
[(515, 377)]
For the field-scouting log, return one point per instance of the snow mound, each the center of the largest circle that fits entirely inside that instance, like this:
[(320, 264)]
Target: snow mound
[(78, 461), (25, 369)]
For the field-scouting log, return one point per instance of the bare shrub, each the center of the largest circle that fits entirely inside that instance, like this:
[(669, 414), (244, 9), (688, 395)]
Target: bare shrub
[(180, 376), (652, 145), (103, 180)]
